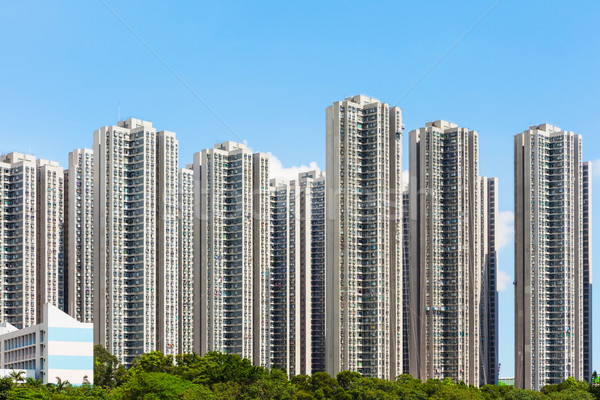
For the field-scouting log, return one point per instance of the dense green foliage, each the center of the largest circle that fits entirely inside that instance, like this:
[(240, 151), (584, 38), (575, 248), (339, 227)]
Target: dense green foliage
[(108, 373), (228, 376)]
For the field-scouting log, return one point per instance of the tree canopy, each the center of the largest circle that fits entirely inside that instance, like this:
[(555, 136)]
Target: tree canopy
[(228, 376)]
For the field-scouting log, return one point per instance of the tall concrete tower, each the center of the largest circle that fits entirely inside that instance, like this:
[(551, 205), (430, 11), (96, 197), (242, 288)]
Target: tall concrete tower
[(79, 234), (231, 197), (452, 256), (364, 238), (551, 248), (135, 225)]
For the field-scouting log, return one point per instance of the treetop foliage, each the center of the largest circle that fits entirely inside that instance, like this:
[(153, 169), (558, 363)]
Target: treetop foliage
[(228, 376)]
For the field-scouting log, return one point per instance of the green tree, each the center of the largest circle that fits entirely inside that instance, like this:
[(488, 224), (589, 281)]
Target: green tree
[(458, 392), (432, 386), (323, 386), (218, 367), (522, 394), (17, 376), (595, 386), (154, 361), (228, 376), (373, 388), (410, 388), (227, 390), (6, 384), (160, 385), (302, 395), (33, 383), (572, 383), (84, 391), (274, 386), (346, 378), (25, 393), (571, 394), (108, 372), (495, 392), (302, 383)]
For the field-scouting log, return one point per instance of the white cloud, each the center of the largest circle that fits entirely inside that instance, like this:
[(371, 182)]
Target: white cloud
[(277, 170), (505, 228), (505, 235), (596, 169), (502, 280), (405, 175)]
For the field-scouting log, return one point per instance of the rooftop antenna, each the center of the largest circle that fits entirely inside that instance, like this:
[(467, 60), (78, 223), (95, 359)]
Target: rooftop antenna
[(119, 112)]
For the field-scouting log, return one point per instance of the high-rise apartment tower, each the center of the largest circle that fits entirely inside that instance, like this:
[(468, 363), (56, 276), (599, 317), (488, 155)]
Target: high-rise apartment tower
[(551, 248), (135, 239), (50, 235), (79, 234), (187, 301), (18, 288), (452, 257), (364, 238), (231, 201), (587, 271), (297, 273)]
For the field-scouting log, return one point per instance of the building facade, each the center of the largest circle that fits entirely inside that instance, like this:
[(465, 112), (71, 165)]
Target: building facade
[(405, 279), (50, 235), (231, 196), (452, 259), (312, 231), (58, 348), (364, 238), (187, 300), (18, 233), (550, 241), (79, 234), (489, 288), (587, 271), (285, 303), (297, 283), (167, 273), (130, 164), (261, 257)]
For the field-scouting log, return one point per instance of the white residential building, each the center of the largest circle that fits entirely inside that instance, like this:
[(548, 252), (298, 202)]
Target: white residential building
[(187, 277), (489, 282), (364, 238), (79, 234), (312, 268), (231, 196), (285, 279), (18, 227), (405, 279), (50, 235), (298, 273), (452, 259), (551, 250), (167, 273), (587, 271), (135, 273), (261, 257)]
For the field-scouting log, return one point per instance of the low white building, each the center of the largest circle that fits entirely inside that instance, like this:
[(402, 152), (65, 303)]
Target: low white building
[(60, 347)]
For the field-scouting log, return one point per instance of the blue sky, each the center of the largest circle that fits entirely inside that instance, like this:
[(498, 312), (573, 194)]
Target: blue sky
[(269, 70)]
